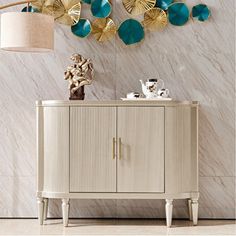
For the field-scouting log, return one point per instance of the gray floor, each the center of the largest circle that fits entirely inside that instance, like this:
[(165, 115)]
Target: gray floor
[(116, 227)]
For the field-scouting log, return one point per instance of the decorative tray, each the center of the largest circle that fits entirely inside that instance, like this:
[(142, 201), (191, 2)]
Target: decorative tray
[(147, 99)]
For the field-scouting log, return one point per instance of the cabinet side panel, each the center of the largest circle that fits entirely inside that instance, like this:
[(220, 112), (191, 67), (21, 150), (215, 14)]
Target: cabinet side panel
[(194, 148), (186, 148), (39, 148), (92, 149), (180, 149), (56, 149)]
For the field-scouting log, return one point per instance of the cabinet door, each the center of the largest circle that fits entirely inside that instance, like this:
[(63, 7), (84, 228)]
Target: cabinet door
[(92, 164), (141, 149)]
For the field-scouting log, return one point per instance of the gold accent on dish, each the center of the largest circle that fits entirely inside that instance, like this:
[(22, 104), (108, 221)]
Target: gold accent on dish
[(103, 29), (155, 19), (64, 11), (120, 148), (137, 7), (113, 148)]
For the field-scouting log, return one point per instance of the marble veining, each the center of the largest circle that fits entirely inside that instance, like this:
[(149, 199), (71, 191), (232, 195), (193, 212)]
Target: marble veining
[(196, 61)]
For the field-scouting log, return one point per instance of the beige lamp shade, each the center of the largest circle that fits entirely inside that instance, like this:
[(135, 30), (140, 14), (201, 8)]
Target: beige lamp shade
[(27, 32)]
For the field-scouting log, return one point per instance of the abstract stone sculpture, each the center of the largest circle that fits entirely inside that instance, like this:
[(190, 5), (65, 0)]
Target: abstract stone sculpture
[(78, 75)]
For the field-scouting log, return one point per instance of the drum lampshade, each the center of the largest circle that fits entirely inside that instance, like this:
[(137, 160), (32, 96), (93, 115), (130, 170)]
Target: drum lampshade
[(27, 32)]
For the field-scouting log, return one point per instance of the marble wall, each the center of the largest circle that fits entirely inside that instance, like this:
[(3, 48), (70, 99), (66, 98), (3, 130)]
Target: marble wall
[(196, 61)]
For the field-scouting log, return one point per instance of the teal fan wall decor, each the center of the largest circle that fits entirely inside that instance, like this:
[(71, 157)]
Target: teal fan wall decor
[(131, 31), (163, 4), (82, 29), (201, 12), (87, 1), (178, 14), (29, 9), (156, 16), (101, 8)]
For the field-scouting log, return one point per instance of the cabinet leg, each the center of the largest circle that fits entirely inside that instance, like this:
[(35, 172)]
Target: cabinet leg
[(65, 211), (190, 209), (169, 208), (40, 202), (194, 205), (45, 210)]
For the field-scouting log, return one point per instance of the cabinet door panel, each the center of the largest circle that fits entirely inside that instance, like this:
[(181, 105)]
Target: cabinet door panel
[(92, 167), (141, 158)]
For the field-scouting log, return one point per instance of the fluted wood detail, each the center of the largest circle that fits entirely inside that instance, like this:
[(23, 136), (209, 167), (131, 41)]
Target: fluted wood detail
[(56, 149), (181, 153), (141, 161), (92, 164)]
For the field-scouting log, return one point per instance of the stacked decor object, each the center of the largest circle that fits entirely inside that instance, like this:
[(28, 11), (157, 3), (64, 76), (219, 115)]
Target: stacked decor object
[(156, 15)]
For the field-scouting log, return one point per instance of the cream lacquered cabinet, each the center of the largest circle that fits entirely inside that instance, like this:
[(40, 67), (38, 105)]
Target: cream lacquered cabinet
[(117, 150)]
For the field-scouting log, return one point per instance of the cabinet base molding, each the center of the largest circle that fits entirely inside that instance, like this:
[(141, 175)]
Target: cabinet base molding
[(117, 196), (192, 205)]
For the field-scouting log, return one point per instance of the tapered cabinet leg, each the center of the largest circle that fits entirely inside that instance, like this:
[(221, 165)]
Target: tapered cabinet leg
[(169, 209), (45, 211), (194, 204), (40, 202), (190, 209), (65, 211)]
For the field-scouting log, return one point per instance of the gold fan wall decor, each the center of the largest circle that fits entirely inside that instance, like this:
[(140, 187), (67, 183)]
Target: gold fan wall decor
[(103, 29), (155, 19), (64, 11), (44, 6), (137, 7), (38, 4)]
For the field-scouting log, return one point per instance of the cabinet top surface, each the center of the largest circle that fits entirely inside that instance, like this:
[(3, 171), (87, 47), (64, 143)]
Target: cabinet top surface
[(56, 103)]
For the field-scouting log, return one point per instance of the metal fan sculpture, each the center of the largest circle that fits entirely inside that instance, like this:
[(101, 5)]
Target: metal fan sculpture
[(78, 75), (137, 7), (64, 11), (155, 19), (103, 29)]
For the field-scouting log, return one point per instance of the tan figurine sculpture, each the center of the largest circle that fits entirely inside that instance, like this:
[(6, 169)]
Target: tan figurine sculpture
[(78, 75)]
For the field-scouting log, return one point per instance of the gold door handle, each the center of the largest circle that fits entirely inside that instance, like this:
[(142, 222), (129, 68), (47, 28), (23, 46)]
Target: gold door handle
[(113, 148), (120, 148)]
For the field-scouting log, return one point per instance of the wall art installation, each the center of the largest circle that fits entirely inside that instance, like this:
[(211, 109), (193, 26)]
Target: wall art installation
[(156, 16)]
